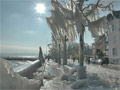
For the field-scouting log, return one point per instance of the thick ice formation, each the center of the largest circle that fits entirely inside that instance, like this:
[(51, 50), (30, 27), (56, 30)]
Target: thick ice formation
[(98, 27), (11, 80), (61, 26)]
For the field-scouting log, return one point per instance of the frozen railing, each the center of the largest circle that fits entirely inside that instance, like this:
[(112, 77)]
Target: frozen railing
[(28, 72)]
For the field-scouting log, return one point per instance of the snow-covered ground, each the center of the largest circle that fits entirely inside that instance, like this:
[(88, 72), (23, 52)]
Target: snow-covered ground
[(10, 80), (98, 78), (113, 66), (55, 77), (110, 76)]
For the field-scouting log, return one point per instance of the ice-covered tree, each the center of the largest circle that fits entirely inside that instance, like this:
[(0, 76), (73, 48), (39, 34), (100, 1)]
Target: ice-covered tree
[(62, 30), (70, 16)]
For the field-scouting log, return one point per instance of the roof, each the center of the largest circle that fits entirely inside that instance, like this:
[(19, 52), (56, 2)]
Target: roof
[(115, 13)]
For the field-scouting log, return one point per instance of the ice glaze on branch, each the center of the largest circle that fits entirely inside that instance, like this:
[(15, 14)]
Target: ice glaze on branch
[(95, 7), (87, 7), (107, 6), (92, 8), (65, 4)]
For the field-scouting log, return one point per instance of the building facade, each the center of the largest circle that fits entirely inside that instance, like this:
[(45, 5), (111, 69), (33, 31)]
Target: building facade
[(109, 44), (114, 37)]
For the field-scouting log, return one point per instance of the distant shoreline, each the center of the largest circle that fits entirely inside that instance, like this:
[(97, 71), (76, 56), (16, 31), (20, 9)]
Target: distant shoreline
[(17, 54), (30, 58)]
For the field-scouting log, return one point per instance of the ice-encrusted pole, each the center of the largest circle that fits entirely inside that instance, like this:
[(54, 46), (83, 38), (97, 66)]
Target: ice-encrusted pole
[(41, 58), (59, 58), (81, 69), (65, 53), (81, 62)]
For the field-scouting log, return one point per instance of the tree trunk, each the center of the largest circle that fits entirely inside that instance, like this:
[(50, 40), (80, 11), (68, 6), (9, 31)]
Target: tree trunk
[(81, 69), (65, 54), (81, 59)]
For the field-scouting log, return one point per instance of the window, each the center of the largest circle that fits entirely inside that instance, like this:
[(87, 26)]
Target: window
[(113, 27), (114, 39), (114, 51), (106, 47), (106, 39)]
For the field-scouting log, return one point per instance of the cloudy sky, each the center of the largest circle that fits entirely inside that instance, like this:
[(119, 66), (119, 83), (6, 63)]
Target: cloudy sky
[(23, 26)]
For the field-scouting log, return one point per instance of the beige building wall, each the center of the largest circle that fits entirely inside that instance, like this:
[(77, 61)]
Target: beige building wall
[(114, 41)]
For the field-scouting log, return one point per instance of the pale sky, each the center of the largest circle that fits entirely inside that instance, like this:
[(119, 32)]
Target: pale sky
[(23, 26)]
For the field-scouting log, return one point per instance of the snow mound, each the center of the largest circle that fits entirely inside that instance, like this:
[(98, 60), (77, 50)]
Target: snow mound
[(53, 69), (69, 70), (79, 83), (11, 80), (55, 84)]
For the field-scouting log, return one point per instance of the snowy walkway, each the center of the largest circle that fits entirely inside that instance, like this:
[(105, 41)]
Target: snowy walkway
[(106, 73), (113, 66), (109, 75)]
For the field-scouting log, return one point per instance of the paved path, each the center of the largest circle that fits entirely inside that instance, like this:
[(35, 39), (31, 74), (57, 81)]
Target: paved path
[(110, 73), (114, 67)]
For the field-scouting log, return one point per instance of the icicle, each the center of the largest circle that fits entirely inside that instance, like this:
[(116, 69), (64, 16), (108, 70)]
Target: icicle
[(65, 4), (79, 21), (93, 14), (62, 26), (64, 11)]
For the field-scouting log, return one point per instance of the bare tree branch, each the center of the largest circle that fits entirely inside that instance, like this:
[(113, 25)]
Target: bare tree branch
[(96, 5), (87, 7), (107, 5), (65, 4)]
